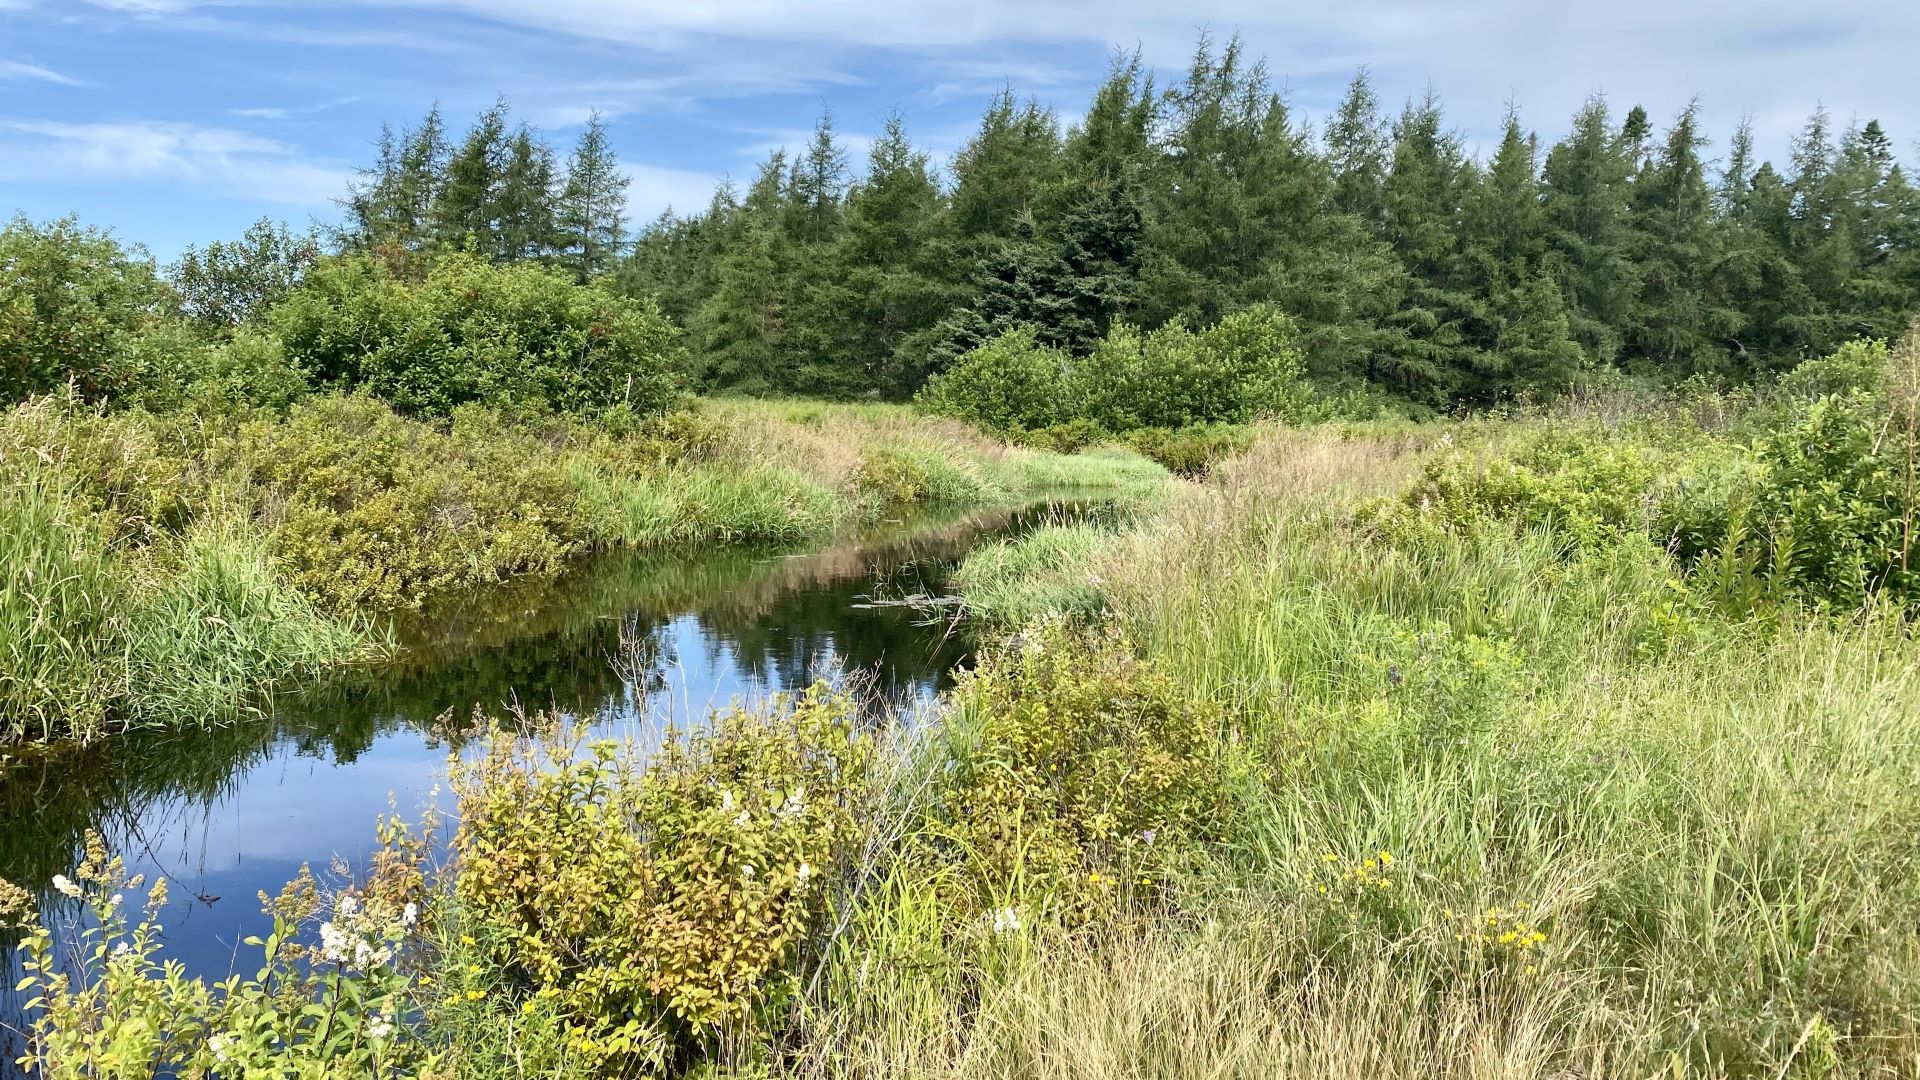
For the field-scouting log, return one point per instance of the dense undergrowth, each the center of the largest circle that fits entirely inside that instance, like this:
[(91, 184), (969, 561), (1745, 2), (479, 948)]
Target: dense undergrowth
[(172, 565), (1505, 749)]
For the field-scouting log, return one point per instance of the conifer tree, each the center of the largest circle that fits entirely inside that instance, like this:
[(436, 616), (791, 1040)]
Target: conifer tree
[(527, 226), (1586, 205), (467, 210), (593, 204)]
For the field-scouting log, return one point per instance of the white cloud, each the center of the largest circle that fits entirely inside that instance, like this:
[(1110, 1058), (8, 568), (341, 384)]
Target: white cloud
[(226, 161), (18, 70), (289, 112)]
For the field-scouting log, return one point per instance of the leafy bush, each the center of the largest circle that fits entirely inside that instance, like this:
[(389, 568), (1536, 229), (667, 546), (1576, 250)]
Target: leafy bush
[(113, 1005), (376, 511), (645, 911), (1191, 451), (230, 283), (73, 306), (1008, 385), (1075, 763), (1588, 487), (1245, 367), (470, 331)]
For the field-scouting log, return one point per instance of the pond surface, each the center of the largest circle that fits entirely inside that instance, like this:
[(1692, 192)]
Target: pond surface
[(626, 641)]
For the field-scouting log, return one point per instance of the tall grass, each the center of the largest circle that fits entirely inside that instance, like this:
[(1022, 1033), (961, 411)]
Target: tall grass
[(1710, 821), (58, 609)]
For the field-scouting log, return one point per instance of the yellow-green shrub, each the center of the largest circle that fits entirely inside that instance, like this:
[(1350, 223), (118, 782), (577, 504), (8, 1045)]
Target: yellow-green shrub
[(1075, 762), (378, 511), (651, 905)]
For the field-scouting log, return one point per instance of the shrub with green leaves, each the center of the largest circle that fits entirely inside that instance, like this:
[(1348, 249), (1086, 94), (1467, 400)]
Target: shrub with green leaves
[(372, 510), (1245, 367), (644, 909), (469, 331), (1075, 765), (74, 306)]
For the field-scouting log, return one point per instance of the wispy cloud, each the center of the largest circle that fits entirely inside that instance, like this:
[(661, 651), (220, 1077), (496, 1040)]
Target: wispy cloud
[(289, 112), (222, 160), (20, 70), (653, 188)]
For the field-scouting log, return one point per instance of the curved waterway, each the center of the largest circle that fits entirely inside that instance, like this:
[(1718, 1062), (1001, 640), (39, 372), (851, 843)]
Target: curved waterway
[(624, 642)]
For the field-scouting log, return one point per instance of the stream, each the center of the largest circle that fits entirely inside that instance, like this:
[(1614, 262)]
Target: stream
[(623, 643)]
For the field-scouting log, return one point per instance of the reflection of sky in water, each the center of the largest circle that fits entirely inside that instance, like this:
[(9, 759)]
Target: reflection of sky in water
[(308, 786)]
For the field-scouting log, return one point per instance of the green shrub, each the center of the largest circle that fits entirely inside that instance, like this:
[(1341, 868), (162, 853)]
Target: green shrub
[(1245, 367), (1588, 487), (73, 307), (1008, 385), (371, 510), (1075, 765), (1191, 451), (470, 331), (648, 908)]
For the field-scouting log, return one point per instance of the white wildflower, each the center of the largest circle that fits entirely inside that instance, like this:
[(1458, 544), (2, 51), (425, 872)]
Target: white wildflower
[(346, 907), (410, 914), (379, 1027), (742, 821), (218, 1045), (117, 899), (66, 886), (746, 871), (726, 801), (1006, 921), (122, 949), (803, 875), (796, 803), (333, 943)]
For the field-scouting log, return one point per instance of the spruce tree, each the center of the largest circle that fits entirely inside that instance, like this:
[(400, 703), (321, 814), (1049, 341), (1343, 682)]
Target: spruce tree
[(1586, 205), (528, 228), (467, 209), (1677, 325), (593, 204)]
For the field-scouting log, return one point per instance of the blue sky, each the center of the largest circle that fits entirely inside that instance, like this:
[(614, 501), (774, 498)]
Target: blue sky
[(175, 121)]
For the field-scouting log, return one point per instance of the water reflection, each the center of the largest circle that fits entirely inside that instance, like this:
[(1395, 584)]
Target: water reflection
[(229, 812)]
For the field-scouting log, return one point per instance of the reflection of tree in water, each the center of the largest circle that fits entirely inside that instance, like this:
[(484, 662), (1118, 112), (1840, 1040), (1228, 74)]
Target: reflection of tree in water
[(549, 646)]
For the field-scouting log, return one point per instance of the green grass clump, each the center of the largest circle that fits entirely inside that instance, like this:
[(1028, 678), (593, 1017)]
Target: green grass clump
[(58, 610), (1052, 570)]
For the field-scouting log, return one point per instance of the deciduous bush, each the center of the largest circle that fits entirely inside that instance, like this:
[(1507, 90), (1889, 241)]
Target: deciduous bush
[(74, 306), (469, 331), (372, 510), (1075, 764), (643, 909)]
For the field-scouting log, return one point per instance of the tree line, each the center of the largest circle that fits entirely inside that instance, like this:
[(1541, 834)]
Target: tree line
[(1409, 263)]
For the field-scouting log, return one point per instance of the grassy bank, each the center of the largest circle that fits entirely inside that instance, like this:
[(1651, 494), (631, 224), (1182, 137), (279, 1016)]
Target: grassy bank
[(174, 565), (1565, 746)]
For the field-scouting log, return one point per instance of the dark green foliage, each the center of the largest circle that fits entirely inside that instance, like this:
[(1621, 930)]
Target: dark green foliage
[(472, 332), (230, 283), (74, 307)]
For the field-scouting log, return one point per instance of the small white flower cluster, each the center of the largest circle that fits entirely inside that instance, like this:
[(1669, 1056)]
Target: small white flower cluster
[(218, 1045), (796, 803), (66, 886), (1006, 920), (355, 938), (803, 875), (379, 1027)]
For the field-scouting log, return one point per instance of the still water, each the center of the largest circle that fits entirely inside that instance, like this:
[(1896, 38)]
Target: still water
[(624, 642)]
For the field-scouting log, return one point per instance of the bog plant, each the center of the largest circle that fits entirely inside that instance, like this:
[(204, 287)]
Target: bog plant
[(468, 331), (642, 910), (112, 1005), (1246, 366), (1076, 766)]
